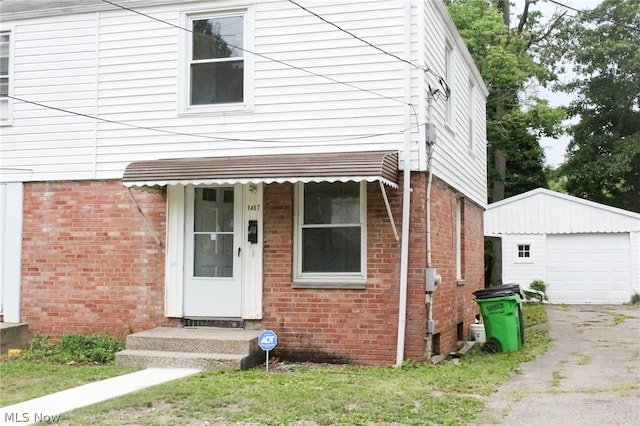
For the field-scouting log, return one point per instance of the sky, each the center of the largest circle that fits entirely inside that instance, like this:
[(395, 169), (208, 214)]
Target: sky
[(554, 149)]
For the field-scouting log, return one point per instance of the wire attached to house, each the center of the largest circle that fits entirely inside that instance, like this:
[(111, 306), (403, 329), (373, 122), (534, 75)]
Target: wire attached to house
[(442, 95), (595, 17), (297, 139), (260, 55)]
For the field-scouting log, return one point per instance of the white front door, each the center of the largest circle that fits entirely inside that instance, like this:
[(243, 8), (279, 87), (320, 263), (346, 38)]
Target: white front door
[(213, 250)]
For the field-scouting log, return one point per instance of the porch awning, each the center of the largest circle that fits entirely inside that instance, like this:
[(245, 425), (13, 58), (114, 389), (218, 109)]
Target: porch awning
[(359, 166)]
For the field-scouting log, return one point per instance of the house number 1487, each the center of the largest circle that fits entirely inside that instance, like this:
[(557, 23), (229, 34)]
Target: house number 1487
[(253, 207)]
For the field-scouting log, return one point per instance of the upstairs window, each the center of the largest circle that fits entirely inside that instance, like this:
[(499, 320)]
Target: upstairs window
[(471, 117), (5, 111), (217, 60), (448, 77)]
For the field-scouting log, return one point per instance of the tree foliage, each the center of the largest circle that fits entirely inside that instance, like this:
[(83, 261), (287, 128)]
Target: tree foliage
[(603, 162), (509, 59)]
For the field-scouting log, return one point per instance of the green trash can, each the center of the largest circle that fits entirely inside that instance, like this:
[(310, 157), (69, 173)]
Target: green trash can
[(502, 318)]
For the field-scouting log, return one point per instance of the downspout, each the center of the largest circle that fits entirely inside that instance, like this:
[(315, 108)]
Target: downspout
[(406, 194)]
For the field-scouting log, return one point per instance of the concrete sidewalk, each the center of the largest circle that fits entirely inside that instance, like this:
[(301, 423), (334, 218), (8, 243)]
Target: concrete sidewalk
[(48, 408)]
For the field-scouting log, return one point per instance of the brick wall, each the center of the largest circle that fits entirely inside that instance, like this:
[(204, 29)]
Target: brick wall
[(90, 262), (453, 299), (356, 325)]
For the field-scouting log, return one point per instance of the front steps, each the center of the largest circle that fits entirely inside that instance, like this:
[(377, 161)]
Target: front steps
[(13, 336), (205, 348)]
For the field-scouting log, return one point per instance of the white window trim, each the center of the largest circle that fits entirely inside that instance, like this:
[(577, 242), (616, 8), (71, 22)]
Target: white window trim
[(458, 239), (449, 79), (471, 117), (9, 120), (519, 259), (184, 44), (349, 280)]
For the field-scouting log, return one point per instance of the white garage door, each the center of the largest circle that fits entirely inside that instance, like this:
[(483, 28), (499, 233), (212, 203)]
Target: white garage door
[(588, 268)]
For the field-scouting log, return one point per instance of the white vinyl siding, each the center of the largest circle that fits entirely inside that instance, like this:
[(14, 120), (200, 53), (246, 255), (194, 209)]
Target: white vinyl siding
[(127, 68), (584, 251), (454, 162), (518, 269)]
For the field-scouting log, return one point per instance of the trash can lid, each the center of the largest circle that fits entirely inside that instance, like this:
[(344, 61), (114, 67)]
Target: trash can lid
[(499, 291)]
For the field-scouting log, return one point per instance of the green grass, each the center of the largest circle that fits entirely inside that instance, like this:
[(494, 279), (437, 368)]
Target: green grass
[(619, 318), (304, 395), (308, 394), (23, 380)]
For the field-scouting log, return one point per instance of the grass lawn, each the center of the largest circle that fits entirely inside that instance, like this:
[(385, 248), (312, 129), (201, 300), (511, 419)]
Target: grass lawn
[(24, 380), (309, 395)]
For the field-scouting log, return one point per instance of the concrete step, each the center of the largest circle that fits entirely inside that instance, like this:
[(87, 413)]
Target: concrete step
[(201, 340), (169, 359), (13, 336), (205, 348)]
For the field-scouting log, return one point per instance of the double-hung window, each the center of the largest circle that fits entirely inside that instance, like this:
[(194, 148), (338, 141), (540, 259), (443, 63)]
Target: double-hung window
[(5, 109), (330, 235), (218, 62)]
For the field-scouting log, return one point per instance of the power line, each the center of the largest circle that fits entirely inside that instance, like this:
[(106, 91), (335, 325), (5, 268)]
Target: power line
[(353, 86), (356, 37), (424, 68), (217, 138), (592, 16)]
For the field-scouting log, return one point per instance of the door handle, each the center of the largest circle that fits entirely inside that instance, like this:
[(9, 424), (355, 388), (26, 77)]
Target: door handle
[(239, 250)]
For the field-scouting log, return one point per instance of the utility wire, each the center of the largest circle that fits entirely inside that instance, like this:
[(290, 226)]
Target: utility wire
[(413, 108), (217, 138), (424, 68), (592, 16), (353, 86)]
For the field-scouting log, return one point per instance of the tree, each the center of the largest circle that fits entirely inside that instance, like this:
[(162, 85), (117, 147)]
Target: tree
[(509, 59), (603, 162)]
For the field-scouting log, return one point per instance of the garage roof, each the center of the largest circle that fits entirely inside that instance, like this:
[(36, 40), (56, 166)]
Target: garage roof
[(542, 211)]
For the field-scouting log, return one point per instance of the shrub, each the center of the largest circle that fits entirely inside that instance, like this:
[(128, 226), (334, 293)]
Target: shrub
[(92, 348), (537, 286), (635, 299)]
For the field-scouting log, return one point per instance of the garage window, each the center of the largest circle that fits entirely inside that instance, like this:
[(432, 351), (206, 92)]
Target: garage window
[(524, 251)]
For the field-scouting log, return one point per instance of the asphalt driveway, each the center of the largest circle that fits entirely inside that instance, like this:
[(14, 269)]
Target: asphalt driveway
[(589, 377)]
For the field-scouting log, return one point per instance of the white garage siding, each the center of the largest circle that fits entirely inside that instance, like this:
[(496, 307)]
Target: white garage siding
[(585, 252), (588, 268)]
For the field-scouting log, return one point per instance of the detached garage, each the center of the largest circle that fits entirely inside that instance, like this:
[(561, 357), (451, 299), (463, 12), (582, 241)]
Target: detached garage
[(584, 251)]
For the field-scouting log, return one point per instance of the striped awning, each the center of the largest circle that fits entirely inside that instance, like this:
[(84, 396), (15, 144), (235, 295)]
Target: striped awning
[(358, 166)]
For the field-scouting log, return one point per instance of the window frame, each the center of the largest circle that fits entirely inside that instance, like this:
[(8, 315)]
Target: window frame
[(184, 67), (9, 102), (449, 71), (460, 239), (526, 248), (342, 280), (471, 125)]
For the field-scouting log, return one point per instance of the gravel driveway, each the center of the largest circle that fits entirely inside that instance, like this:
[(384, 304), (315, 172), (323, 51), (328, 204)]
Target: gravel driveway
[(589, 377)]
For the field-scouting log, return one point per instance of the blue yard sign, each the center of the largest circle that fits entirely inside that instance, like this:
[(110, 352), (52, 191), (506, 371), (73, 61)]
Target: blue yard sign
[(267, 341)]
